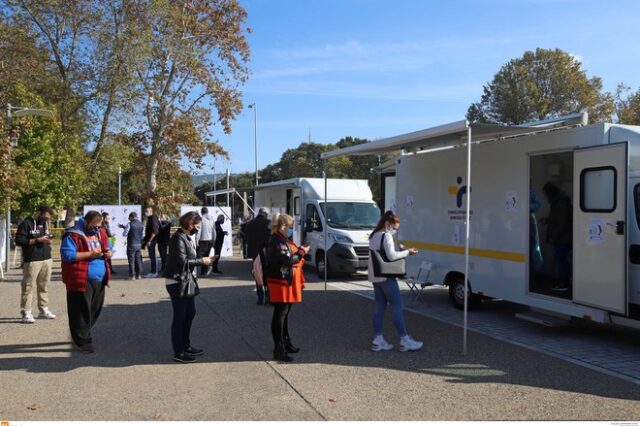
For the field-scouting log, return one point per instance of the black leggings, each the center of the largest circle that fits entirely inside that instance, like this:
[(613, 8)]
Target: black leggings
[(280, 322)]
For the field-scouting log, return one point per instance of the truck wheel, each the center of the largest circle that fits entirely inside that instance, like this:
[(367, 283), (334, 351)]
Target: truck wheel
[(456, 294), (320, 265)]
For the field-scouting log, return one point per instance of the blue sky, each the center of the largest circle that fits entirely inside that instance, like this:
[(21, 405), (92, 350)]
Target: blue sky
[(373, 69)]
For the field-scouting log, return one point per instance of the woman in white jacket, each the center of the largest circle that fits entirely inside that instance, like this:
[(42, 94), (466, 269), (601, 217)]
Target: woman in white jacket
[(386, 290)]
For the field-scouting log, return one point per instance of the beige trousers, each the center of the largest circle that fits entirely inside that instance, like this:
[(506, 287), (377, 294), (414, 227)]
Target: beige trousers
[(38, 273)]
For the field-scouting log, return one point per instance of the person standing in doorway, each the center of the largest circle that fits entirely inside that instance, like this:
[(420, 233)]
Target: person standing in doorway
[(560, 233), (219, 242), (133, 231), (152, 228), (34, 237), (164, 235), (285, 279), (85, 250), (386, 290), (257, 235), (107, 226), (206, 239)]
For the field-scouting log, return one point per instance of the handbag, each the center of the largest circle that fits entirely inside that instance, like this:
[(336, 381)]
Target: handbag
[(187, 283), (383, 267)]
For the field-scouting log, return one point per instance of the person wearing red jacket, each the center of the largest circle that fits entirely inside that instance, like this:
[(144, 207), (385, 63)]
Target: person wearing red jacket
[(85, 251)]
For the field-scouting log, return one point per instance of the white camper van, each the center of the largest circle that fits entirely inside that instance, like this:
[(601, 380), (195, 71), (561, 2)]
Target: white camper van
[(350, 216), (597, 167)]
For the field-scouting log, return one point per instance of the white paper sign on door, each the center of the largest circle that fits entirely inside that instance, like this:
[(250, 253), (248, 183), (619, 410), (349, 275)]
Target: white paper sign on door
[(596, 231)]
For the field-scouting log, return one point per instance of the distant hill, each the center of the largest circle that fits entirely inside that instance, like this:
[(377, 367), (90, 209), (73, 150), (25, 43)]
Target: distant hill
[(198, 180)]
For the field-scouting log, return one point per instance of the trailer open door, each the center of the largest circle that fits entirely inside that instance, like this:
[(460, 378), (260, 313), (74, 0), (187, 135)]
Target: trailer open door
[(600, 227), (294, 209)]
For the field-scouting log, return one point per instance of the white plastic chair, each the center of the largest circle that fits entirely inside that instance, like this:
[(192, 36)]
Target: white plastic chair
[(421, 281)]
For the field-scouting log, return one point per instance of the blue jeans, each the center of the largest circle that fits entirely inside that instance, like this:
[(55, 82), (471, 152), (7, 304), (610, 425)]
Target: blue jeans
[(152, 256), (388, 292)]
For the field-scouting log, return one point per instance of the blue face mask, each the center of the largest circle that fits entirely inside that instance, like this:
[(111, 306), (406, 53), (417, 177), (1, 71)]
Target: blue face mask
[(92, 231), (290, 233)]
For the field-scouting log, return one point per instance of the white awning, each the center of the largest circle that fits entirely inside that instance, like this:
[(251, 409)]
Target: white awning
[(453, 134)]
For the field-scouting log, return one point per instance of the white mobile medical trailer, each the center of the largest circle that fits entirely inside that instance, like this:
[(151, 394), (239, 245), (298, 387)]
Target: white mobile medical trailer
[(350, 216), (598, 168)]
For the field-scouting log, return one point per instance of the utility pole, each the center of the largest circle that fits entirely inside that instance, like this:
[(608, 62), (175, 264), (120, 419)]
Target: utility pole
[(119, 186)]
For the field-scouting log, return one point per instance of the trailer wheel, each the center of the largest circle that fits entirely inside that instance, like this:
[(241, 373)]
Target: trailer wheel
[(456, 294), (320, 265)]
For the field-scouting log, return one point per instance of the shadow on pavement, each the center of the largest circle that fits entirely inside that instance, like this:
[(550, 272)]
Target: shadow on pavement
[(332, 329)]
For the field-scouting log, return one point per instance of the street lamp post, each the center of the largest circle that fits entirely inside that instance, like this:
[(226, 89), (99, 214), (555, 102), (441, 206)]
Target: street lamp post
[(12, 111), (255, 135)]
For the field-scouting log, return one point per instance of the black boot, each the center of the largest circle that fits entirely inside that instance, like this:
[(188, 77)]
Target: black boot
[(280, 353), (289, 346), (260, 291), (266, 296)]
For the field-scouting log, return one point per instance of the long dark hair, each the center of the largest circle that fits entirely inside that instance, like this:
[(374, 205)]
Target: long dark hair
[(387, 217)]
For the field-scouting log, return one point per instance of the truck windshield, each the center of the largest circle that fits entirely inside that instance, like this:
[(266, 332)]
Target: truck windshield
[(347, 215)]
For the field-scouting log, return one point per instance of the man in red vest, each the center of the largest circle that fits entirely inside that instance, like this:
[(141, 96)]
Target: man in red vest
[(85, 251)]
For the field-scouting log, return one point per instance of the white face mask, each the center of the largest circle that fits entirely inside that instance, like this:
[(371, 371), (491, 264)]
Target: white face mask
[(148, 214)]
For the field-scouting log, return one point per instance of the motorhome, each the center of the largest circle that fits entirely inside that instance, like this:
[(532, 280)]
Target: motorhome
[(596, 170), (349, 216)]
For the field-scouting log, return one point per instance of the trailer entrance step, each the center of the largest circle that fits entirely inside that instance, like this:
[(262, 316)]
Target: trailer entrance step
[(543, 319)]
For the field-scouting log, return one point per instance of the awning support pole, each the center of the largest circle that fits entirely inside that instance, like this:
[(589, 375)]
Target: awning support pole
[(326, 208), (466, 244)]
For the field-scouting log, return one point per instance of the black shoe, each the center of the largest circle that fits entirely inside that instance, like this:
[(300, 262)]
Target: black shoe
[(185, 358), (280, 354), (290, 348), (194, 351)]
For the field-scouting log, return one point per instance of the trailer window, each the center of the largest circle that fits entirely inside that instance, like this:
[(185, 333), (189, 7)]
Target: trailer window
[(296, 206), (598, 189)]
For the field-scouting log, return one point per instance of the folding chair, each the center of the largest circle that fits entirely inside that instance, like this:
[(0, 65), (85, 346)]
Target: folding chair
[(418, 283)]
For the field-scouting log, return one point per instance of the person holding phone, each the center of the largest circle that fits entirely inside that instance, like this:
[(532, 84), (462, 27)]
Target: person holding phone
[(285, 281), (386, 290), (34, 238), (85, 251)]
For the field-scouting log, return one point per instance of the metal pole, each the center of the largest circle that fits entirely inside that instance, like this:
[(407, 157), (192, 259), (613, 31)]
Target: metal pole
[(214, 181), (255, 137), (119, 186), (326, 225), (7, 250), (466, 244), (227, 187)]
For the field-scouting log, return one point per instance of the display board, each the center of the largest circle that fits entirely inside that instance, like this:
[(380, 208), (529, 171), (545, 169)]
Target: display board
[(119, 215), (227, 247), (3, 239)]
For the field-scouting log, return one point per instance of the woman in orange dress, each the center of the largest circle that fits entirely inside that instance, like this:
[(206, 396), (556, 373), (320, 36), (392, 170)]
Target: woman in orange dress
[(285, 281)]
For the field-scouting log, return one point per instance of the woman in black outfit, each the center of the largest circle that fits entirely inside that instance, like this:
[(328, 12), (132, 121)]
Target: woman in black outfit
[(217, 245), (182, 251)]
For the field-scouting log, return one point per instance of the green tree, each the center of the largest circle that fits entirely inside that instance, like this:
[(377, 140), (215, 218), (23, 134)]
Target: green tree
[(540, 85), (190, 55), (627, 105)]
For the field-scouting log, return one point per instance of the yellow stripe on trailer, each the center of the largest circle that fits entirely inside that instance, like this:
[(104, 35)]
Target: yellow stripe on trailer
[(477, 252)]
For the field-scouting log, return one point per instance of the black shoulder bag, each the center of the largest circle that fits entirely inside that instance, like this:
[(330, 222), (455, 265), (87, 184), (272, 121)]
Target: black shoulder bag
[(383, 267), (187, 283)]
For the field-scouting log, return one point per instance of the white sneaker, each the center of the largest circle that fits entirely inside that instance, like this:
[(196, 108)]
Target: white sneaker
[(379, 344), (132, 278), (27, 318), (407, 343), (152, 275), (46, 314)]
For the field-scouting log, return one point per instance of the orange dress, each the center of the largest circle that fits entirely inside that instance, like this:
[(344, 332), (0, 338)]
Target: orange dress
[(280, 293)]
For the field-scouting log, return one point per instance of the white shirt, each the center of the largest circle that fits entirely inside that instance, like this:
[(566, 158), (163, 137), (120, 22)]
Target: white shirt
[(389, 249)]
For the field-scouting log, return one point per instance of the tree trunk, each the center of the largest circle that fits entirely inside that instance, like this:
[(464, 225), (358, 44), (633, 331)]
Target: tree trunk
[(152, 173), (69, 217), (105, 125)]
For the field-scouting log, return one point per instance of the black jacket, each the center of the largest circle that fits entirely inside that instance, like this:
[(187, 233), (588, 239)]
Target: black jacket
[(257, 235), (29, 230), (219, 242), (280, 259), (152, 227), (181, 251), (164, 232), (560, 221)]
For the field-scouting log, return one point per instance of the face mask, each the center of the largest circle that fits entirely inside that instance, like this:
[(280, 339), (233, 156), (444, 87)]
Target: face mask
[(148, 214), (194, 231), (290, 233), (93, 231)]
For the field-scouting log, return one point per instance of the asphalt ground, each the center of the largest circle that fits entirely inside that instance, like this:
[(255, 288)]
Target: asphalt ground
[(131, 376)]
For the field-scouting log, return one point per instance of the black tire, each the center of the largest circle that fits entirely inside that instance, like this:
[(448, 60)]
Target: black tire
[(456, 294), (320, 265)]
